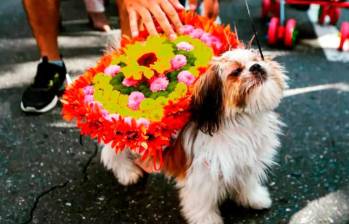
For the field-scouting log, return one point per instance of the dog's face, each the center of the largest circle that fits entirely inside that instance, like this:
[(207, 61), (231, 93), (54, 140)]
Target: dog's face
[(239, 81)]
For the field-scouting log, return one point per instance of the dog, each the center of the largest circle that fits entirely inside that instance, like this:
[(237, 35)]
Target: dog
[(229, 143)]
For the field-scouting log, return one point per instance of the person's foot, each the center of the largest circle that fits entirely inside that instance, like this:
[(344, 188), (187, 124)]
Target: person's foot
[(42, 95), (99, 21)]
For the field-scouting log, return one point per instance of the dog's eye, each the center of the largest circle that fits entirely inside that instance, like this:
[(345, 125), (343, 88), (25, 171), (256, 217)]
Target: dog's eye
[(236, 72)]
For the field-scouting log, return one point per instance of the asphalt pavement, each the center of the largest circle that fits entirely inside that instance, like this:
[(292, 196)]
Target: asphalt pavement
[(47, 176)]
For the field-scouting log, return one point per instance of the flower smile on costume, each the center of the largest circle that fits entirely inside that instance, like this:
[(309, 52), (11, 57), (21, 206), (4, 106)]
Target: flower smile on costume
[(186, 77), (159, 84), (112, 70), (129, 82), (185, 46), (178, 61), (135, 99), (139, 96)]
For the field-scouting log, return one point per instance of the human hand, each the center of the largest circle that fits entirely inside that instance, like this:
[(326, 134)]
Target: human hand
[(163, 11)]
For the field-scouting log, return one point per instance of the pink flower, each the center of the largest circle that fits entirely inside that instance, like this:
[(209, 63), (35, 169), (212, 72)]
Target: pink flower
[(186, 29), (159, 84), (106, 115), (115, 117), (206, 38), (185, 46), (186, 77), (143, 122), (135, 99), (216, 42), (129, 82), (88, 99), (112, 70), (128, 120), (178, 61), (88, 90), (197, 33)]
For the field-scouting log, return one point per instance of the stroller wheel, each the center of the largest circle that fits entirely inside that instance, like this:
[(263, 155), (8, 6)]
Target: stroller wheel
[(273, 30), (344, 34), (290, 33)]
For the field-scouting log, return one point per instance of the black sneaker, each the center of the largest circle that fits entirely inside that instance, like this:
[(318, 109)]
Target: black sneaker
[(49, 82)]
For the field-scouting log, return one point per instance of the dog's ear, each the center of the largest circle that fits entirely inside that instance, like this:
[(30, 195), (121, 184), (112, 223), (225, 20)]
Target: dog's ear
[(207, 102)]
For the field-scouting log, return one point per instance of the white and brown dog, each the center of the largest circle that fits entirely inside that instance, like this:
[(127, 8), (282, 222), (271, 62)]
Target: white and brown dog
[(229, 143)]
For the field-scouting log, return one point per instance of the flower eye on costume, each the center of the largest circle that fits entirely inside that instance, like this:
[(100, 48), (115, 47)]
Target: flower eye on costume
[(139, 96)]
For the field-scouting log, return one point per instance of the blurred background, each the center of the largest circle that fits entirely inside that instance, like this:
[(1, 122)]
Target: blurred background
[(46, 176)]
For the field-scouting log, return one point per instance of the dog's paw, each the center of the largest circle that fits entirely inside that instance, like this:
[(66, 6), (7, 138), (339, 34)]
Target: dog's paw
[(128, 176), (259, 198), (209, 218)]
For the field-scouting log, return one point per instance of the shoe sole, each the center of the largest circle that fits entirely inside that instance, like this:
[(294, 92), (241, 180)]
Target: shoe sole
[(49, 106)]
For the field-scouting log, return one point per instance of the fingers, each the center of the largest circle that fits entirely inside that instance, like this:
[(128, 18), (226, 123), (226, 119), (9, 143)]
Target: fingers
[(177, 4), (171, 14), (164, 11), (160, 16), (147, 20), (133, 22)]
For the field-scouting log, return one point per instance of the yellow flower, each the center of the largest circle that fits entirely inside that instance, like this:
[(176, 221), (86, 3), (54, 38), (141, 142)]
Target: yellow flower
[(161, 101), (123, 100), (181, 89), (101, 80), (194, 71), (156, 114), (147, 104), (141, 58)]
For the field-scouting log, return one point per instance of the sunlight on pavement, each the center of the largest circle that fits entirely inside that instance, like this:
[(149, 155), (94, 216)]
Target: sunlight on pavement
[(332, 208)]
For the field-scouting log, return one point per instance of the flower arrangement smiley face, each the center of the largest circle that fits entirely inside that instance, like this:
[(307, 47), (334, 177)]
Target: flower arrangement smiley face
[(150, 75), (138, 96)]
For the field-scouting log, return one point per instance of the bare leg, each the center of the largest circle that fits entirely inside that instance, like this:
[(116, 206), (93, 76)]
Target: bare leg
[(43, 17), (95, 10), (123, 167), (124, 20)]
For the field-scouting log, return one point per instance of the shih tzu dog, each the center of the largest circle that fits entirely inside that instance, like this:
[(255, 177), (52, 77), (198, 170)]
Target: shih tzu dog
[(230, 142)]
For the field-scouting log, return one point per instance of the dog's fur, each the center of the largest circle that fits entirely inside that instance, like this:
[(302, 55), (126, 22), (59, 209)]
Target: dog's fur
[(229, 143)]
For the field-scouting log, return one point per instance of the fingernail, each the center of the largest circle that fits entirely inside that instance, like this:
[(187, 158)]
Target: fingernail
[(180, 6), (192, 7), (134, 34), (173, 36)]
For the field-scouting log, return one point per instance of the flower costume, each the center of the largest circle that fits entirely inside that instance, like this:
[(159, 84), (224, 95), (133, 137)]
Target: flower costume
[(138, 97)]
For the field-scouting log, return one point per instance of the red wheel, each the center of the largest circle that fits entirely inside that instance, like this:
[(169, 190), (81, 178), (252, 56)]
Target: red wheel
[(344, 33), (322, 14), (275, 8), (273, 30), (290, 33), (335, 13), (266, 7)]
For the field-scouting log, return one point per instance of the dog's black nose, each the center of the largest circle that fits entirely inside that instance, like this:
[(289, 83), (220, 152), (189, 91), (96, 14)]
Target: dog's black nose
[(258, 71), (256, 68)]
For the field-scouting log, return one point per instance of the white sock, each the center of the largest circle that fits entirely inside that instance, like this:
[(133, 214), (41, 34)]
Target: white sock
[(57, 62)]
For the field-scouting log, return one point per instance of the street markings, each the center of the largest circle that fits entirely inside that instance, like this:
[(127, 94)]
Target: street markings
[(340, 86)]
